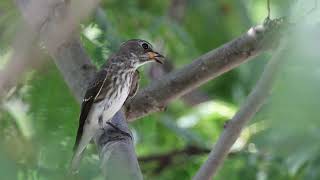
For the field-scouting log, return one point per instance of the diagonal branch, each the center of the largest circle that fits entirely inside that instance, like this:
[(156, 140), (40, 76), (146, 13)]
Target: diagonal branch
[(207, 67), (247, 111)]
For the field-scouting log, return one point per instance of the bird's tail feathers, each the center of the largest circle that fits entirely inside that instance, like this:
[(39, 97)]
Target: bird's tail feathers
[(82, 141), (75, 163)]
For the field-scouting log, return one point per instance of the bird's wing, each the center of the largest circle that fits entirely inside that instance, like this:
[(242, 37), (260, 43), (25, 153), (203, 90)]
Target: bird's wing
[(93, 91), (134, 85)]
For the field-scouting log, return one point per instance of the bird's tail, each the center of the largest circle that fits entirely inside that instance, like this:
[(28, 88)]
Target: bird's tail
[(80, 146), (75, 163)]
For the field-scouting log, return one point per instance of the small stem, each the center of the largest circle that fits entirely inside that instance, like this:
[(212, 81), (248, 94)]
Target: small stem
[(269, 11)]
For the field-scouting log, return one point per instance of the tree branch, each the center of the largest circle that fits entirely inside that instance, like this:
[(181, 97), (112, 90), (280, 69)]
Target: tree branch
[(192, 98), (207, 67), (117, 155), (188, 150), (166, 159), (246, 112)]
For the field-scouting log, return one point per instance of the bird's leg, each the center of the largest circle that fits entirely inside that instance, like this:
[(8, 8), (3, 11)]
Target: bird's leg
[(118, 129)]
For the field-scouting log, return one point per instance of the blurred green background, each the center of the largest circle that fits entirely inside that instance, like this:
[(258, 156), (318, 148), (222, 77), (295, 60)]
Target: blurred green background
[(39, 121)]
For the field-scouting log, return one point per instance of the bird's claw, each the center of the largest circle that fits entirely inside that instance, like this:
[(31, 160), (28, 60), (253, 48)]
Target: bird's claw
[(119, 130)]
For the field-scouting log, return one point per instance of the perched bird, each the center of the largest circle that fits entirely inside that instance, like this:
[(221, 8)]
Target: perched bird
[(110, 88)]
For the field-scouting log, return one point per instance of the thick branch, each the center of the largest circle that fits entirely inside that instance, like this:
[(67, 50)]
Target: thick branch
[(207, 67), (246, 112), (117, 155)]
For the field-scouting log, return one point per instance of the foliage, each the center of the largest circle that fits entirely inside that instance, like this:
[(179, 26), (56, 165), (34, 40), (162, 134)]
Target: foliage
[(38, 122)]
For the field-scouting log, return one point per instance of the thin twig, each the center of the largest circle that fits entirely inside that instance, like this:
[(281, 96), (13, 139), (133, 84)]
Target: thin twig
[(269, 10), (188, 150), (167, 159)]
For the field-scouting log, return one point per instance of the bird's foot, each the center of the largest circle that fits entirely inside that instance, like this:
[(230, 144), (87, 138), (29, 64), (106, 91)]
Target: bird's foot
[(119, 130)]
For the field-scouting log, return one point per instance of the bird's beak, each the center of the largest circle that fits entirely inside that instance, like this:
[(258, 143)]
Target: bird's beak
[(156, 57)]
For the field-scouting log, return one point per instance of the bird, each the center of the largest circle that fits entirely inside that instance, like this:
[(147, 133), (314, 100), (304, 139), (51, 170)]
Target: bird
[(107, 92)]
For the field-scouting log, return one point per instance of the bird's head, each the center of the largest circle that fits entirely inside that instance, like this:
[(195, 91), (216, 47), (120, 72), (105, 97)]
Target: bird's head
[(140, 52)]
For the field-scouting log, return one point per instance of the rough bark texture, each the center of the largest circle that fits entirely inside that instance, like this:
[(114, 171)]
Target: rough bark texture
[(235, 125)]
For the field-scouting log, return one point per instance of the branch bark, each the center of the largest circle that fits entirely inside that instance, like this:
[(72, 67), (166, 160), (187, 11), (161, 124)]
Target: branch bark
[(207, 67), (192, 98), (117, 155), (235, 125)]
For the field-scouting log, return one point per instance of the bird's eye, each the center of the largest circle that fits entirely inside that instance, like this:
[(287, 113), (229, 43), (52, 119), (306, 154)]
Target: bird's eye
[(145, 46)]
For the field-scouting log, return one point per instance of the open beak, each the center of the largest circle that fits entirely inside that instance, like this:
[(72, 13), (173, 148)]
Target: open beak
[(156, 57)]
